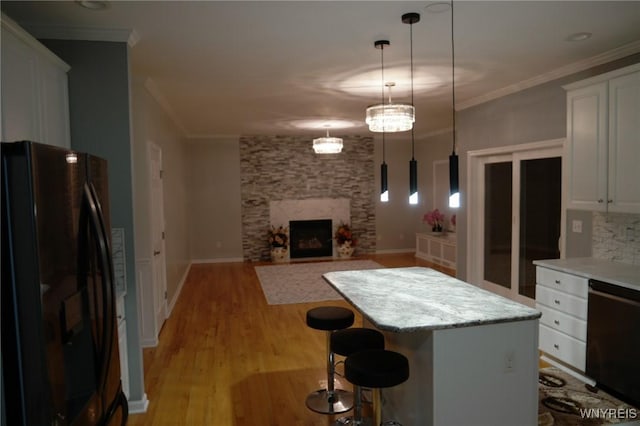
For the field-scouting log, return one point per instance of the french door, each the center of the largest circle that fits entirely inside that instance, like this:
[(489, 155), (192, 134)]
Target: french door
[(515, 216)]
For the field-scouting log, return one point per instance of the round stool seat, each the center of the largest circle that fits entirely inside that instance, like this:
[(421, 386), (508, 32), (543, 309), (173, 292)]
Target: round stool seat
[(351, 340), (376, 368), (330, 318)]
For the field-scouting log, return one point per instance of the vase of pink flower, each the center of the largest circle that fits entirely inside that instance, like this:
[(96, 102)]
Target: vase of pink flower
[(435, 219)]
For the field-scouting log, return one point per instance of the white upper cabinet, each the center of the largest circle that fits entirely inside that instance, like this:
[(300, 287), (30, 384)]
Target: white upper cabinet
[(602, 154), (35, 100), (624, 143)]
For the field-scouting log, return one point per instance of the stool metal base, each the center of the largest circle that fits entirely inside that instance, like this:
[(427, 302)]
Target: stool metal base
[(320, 401), (349, 421)]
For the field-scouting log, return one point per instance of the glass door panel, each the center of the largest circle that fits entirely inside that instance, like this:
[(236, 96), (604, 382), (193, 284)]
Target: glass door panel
[(497, 223), (540, 209)]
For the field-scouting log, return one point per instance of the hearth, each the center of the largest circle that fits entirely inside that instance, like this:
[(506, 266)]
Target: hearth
[(311, 238)]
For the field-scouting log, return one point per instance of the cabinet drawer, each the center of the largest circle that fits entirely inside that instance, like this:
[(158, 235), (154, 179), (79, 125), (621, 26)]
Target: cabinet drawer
[(556, 320), (567, 283), (562, 302), (563, 347)]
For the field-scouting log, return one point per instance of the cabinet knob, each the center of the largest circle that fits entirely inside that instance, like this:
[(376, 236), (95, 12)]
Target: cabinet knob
[(600, 201), (557, 281), (609, 201), (555, 345), (557, 302), (556, 322)]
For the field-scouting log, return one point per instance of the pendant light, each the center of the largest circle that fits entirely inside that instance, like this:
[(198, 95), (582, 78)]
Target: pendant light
[(412, 18), (327, 144), (454, 187), (389, 117), (384, 184)]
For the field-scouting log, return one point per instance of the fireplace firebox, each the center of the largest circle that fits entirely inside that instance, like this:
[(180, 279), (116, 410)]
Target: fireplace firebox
[(311, 238)]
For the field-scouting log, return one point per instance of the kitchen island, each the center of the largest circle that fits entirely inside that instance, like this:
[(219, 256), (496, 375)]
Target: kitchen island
[(473, 355)]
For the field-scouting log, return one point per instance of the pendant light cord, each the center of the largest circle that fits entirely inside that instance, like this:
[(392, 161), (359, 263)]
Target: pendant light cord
[(453, 83), (412, 104), (382, 99)]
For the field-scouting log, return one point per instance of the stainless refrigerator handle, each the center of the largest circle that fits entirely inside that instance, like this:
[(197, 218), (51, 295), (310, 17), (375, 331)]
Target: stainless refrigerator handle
[(105, 266)]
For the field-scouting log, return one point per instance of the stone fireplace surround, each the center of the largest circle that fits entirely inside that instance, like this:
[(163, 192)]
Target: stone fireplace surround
[(279, 168), (281, 212)]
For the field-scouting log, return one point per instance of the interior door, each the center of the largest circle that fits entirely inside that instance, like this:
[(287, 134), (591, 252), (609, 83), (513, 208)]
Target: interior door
[(157, 236)]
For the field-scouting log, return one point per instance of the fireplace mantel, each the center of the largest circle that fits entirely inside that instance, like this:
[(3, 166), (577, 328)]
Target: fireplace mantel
[(281, 212), (336, 209)]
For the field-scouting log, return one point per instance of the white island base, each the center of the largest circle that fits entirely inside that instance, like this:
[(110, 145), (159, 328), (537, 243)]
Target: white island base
[(481, 375), (473, 355)]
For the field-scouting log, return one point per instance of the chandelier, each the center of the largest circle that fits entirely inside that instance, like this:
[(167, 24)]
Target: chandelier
[(327, 145), (390, 117)]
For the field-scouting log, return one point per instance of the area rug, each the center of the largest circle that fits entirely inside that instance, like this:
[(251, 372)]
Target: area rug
[(566, 401), (303, 282)]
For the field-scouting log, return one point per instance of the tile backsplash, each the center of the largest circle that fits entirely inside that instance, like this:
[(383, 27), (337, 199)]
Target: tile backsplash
[(616, 237)]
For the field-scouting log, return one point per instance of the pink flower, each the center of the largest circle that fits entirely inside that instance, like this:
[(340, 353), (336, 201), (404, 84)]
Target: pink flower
[(434, 217)]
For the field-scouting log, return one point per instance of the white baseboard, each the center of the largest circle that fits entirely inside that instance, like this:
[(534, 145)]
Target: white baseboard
[(218, 260), (139, 406), (176, 295), (392, 251), (149, 343)]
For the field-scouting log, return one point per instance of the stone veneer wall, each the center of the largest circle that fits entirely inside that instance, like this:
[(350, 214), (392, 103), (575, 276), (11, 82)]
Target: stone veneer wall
[(616, 236), (286, 168)]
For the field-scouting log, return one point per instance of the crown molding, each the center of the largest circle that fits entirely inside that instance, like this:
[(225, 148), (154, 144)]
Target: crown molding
[(603, 58), (130, 36), (159, 97), (19, 32)]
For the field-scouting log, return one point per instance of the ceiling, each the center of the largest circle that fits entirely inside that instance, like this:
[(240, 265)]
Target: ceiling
[(239, 67)]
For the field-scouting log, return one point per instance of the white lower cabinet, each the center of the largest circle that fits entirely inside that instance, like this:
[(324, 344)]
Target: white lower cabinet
[(562, 299), (439, 249)]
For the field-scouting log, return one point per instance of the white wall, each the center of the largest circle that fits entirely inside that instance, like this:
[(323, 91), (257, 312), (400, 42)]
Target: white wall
[(152, 124)]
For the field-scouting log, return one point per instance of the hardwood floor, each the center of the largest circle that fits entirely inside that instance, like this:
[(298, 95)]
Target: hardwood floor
[(225, 357)]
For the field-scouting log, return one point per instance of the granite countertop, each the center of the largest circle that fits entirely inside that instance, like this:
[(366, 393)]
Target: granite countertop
[(416, 299), (622, 274)]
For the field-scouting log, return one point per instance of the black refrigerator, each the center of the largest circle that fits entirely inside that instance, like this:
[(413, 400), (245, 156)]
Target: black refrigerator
[(60, 359)]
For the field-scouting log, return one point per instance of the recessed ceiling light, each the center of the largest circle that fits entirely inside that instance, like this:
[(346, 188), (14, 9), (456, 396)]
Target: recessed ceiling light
[(92, 4), (579, 36), (437, 7)]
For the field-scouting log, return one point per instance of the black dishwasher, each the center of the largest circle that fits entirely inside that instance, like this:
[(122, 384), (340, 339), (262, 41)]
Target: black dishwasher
[(613, 339)]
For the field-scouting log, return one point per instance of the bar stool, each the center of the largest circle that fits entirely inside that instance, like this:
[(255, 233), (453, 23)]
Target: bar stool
[(330, 400), (346, 343), (376, 369)]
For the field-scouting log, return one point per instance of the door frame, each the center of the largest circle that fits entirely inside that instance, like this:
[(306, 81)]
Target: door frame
[(475, 213)]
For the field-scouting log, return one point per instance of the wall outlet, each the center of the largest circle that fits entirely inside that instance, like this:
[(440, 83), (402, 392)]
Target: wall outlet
[(576, 226), (509, 362)]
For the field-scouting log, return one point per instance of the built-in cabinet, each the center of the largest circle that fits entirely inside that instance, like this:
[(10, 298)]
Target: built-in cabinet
[(437, 248), (603, 142), (35, 103), (122, 344), (562, 299)]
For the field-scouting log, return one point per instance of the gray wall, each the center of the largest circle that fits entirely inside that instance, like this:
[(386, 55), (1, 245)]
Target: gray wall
[(99, 115), (535, 114), (397, 221), (215, 229)]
